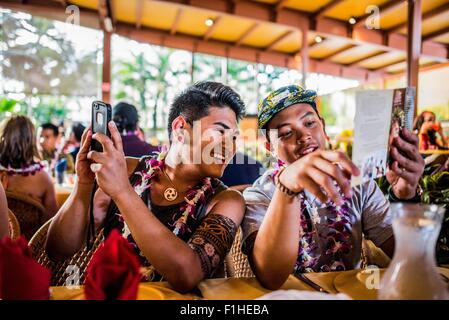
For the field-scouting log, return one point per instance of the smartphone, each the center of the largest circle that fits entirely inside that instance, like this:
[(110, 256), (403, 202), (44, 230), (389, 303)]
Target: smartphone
[(101, 116)]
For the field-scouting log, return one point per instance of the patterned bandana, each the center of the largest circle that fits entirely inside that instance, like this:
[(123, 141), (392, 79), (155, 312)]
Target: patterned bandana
[(282, 98)]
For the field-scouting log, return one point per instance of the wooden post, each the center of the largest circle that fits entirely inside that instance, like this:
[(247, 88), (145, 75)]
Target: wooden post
[(304, 55), (106, 80), (413, 45)]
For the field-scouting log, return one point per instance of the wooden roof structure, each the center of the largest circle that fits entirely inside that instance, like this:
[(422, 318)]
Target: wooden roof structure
[(360, 39)]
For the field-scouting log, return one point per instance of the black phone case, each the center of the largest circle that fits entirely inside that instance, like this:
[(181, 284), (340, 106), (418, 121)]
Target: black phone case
[(106, 110)]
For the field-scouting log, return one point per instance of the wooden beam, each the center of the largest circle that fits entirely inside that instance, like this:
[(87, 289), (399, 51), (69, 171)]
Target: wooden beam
[(278, 40), (435, 34), (426, 16), (246, 34), (105, 12), (389, 64), (106, 75), (246, 9), (357, 61), (222, 48), (422, 67), (327, 27), (413, 45), (333, 54), (139, 13), (175, 24), (315, 44), (304, 55), (52, 10), (385, 8), (212, 28), (281, 4), (63, 3), (327, 7)]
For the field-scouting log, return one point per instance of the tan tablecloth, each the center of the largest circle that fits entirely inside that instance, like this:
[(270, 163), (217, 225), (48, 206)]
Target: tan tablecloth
[(434, 151), (352, 283)]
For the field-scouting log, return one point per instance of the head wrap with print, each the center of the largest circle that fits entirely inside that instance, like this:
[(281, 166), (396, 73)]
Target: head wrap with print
[(281, 99)]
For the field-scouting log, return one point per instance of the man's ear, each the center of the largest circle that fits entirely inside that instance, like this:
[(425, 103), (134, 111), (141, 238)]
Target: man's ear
[(324, 128), (177, 127), (267, 145)]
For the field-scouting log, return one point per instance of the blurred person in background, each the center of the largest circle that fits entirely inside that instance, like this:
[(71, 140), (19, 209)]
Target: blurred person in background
[(74, 141), (426, 127), (241, 172), (51, 150), (126, 118), (20, 168), (48, 140)]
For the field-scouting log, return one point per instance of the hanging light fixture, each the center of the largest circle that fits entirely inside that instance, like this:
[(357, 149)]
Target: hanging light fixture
[(209, 22)]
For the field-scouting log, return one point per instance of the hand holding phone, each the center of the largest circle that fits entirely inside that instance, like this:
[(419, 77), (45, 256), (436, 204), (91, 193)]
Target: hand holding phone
[(101, 116)]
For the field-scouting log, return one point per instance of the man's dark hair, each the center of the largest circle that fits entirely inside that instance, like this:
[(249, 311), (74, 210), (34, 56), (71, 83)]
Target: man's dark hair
[(50, 126), (125, 116), (78, 130), (194, 102)]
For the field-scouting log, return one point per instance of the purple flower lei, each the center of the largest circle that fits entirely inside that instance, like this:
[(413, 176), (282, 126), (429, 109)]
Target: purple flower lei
[(337, 239), (192, 198)]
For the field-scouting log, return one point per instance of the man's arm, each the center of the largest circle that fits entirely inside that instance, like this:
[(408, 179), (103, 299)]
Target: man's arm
[(388, 247), (276, 245), (67, 231), (174, 259)]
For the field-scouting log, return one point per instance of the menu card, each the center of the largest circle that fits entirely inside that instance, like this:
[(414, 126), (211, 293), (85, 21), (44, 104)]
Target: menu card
[(379, 116)]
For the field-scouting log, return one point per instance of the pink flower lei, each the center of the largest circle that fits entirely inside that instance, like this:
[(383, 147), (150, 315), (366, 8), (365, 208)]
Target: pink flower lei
[(193, 196), (337, 239), (27, 170)]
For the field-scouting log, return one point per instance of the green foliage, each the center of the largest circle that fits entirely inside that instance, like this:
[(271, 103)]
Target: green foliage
[(42, 58), (327, 112), (436, 190), (51, 111), (7, 105), (149, 80)]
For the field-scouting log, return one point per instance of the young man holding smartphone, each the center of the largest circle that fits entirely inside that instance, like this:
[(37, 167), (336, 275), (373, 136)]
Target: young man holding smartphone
[(173, 210)]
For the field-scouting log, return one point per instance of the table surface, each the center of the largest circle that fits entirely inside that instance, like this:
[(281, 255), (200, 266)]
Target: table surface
[(434, 151), (62, 192), (352, 283)]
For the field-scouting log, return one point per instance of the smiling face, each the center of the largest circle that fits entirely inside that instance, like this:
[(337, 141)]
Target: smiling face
[(211, 142), (295, 132)]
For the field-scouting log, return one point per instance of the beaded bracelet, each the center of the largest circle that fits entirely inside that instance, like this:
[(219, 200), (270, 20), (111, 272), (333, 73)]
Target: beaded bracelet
[(283, 188)]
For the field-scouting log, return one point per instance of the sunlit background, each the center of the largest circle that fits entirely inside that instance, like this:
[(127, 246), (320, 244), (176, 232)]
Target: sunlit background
[(51, 71)]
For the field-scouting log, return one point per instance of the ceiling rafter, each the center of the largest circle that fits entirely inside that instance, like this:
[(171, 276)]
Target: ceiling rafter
[(278, 40), (326, 8), (426, 16), (385, 8), (175, 24), (246, 34), (212, 28)]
